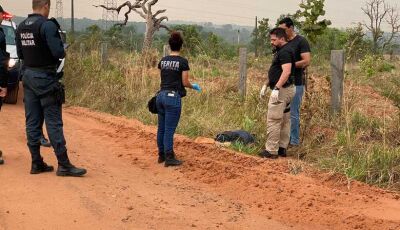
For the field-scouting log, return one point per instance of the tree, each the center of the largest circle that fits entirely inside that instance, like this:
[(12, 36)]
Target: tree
[(153, 23), (115, 37), (393, 20), (310, 11), (128, 4), (192, 37), (356, 45), (93, 36), (261, 36), (378, 12), (331, 39)]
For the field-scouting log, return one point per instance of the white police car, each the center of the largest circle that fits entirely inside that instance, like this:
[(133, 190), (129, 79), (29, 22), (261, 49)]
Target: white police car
[(14, 66)]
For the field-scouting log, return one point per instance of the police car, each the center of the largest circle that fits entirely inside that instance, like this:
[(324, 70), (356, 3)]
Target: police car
[(14, 66)]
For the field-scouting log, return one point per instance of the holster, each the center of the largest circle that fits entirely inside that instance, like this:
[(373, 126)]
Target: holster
[(60, 93), (55, 96)]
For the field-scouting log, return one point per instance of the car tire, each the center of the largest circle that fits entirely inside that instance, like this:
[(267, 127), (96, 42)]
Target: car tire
[(12, 95)]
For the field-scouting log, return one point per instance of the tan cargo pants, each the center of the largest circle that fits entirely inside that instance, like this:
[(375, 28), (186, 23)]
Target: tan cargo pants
[(278, 121)]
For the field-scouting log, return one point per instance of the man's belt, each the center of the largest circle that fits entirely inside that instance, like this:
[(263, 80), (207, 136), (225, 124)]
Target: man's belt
[(47, 69), (288, 83)]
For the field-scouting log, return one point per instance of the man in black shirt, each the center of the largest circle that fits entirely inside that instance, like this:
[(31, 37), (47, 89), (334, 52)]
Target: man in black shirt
[(281, 82), (40, 46), (4, 58), (302, 52)]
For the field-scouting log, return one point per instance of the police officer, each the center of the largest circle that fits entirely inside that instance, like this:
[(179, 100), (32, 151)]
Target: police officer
[(40, 46), (4, 58), (281, 82)]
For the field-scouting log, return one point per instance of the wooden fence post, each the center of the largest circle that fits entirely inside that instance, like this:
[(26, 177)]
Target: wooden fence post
[(337, 79), (243, 72), (104, 53), (166, 50)]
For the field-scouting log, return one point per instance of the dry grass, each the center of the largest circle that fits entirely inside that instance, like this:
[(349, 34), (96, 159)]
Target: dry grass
[(361, 143)]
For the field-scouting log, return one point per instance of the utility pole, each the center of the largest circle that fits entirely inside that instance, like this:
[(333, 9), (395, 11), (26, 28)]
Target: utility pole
[(72, 17), (109, 16), (238, 37), (256, 39)]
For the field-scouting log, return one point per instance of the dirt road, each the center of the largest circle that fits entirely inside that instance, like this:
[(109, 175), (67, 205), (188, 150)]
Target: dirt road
[(215, 189)]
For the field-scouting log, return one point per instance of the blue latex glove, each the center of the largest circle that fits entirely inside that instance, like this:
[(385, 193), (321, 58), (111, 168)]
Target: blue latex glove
[(196, 87)]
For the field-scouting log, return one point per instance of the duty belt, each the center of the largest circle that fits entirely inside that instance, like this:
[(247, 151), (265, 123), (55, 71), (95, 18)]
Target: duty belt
[(48, 69)]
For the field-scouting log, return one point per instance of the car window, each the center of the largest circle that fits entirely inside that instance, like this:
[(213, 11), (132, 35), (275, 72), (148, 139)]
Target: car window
[(10, 34)]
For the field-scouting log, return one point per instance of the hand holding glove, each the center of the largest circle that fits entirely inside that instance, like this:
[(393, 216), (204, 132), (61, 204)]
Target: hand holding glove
[(263, 91), (275, 96), (196, 87)]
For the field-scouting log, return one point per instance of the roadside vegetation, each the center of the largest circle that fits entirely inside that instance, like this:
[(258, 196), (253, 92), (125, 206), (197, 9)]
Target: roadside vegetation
[(362, 142)]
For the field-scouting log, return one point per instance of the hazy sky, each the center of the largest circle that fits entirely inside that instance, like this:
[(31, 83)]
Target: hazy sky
[(342, 13)]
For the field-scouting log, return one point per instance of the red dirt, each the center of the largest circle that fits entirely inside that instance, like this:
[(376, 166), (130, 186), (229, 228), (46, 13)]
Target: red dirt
[(215, 188)]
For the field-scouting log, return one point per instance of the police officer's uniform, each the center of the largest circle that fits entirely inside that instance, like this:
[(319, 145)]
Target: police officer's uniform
[(40, 46), (4, 58)]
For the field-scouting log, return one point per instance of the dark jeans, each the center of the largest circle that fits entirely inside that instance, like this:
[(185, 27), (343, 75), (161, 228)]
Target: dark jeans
[(295, 116), (40, 106), (169, 105)]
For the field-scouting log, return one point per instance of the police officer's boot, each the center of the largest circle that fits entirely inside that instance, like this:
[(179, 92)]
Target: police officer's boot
[(1, 158), (161, 157), (41, 167), (65, 168), (38, 165), (170, 160), (282, 152)]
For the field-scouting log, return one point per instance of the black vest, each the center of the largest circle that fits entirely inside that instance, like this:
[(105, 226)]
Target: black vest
[(4, 56), (34, 48), (3, 44)]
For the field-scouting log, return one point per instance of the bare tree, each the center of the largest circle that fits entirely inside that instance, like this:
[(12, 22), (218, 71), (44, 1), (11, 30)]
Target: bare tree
[(128, 4), (153, 23), (379, 12), (393, 20)]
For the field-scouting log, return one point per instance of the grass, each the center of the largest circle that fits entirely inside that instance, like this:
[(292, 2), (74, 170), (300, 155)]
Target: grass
[(355, 143), (252, 149), (374, 165)]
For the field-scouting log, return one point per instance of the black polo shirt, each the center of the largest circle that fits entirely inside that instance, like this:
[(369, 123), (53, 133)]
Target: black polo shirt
[(283, 55), (299, 45)]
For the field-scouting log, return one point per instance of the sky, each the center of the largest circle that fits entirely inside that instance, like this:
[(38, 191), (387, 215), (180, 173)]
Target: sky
[(342, 13)]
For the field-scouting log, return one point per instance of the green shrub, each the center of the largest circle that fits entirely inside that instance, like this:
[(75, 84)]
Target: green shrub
[(372, 64)]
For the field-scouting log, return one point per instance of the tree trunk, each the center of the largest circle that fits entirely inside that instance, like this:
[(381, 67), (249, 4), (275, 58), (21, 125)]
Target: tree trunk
[(148, 38)]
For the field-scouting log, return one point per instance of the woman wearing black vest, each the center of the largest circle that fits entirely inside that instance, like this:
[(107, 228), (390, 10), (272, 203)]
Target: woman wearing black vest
[(174, 78)]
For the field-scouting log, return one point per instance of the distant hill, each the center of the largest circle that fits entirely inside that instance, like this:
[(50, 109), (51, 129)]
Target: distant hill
[(228, 32)]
